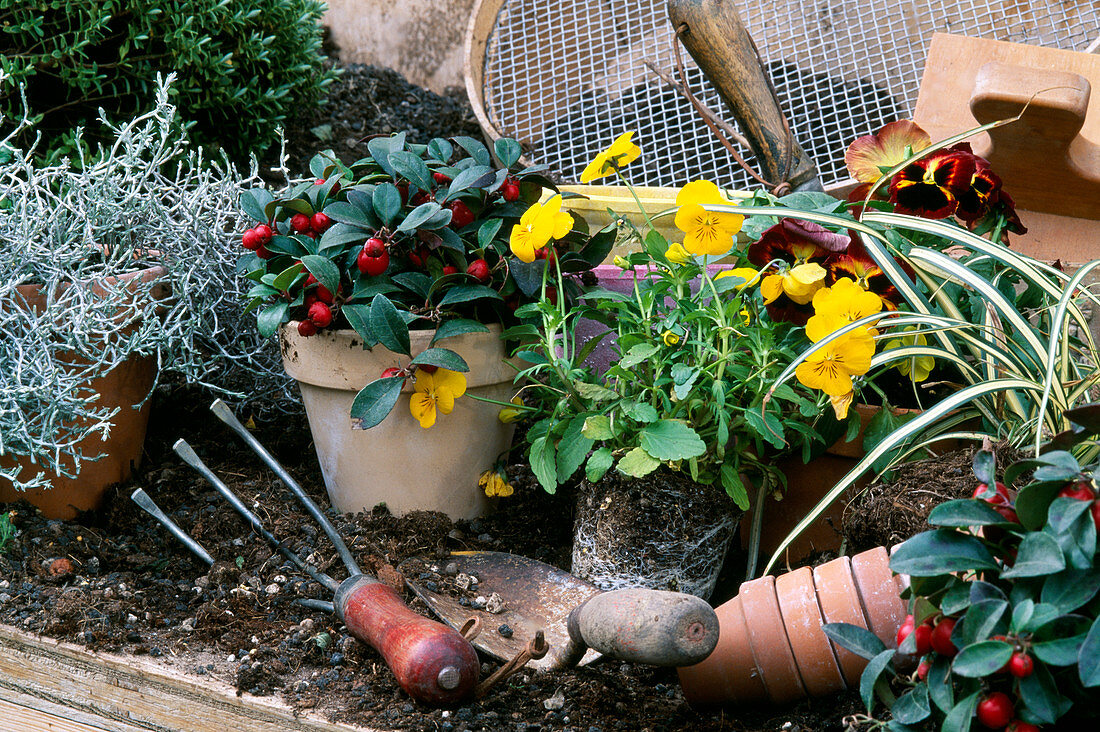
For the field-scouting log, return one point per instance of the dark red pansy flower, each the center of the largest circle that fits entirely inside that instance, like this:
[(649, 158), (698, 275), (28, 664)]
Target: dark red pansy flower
[(796, 242), (856, 264), (930, 187)]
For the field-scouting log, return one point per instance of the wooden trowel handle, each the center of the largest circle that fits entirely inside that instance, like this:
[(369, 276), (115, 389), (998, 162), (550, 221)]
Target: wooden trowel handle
[(646, 626), (717, 40), (432, 662)]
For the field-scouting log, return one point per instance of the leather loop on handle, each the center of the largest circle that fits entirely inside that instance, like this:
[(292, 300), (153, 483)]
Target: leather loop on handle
[(717, 40), (646, 626), (432, 662)]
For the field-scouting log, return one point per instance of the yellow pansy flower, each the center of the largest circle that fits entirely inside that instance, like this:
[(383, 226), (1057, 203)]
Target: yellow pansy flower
[(435, 393), (621, 153), (916, 368), (677, 254), (845, 299), (670, 339), (831, 367), (539, 224), (841, 403), (494, 484), (748, 274), (799, 283), (705, 232), (512, 414)]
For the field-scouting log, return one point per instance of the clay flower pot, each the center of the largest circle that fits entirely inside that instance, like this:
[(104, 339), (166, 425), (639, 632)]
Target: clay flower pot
[(125, 386), (397, 462), (770, 645)]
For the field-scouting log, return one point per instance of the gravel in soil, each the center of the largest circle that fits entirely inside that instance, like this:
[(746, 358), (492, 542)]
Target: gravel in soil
[(115, 581)]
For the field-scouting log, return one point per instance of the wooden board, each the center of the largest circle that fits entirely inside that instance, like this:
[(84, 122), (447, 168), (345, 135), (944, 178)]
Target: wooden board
[(50, 684)]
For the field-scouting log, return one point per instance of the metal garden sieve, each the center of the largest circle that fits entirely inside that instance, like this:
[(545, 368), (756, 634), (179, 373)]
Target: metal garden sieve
[(565, 77)]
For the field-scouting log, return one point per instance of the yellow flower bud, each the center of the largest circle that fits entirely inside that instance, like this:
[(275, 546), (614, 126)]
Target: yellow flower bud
[(670, 339)]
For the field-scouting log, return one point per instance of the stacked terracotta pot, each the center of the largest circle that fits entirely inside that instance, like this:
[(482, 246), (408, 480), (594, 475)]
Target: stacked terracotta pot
[(771, 647)]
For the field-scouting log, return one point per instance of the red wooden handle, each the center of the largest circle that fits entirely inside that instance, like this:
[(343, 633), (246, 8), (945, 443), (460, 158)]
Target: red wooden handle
[(431, 661)]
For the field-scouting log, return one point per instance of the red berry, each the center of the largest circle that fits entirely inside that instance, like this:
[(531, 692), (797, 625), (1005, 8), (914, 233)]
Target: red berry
[(1021, 665), (509, 191), (449, 270), (999, 496), (906, 628), (251, 240), (996, 710), (461, 215), (1008, 512), (374, 247), (320, 314), (1018, 725), (421, 197), (941, 638), (427, 368), (922, 670), (306, 328), (922, 633), (265, 233), (441, 178), (1096, 514), (479, 270), (391, 371), (319, 182), (299, 222), (263, 252), (552, 296), (373, 266), (319, 222), (324, 295), (1080, 490)]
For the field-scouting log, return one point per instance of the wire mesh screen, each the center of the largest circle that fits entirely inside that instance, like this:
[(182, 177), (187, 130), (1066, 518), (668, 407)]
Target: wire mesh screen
[(566, 77)]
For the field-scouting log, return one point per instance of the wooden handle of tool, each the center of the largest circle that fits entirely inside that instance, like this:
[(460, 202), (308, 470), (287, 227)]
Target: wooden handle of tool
[(717, 40), (646, 626), (431, 661)]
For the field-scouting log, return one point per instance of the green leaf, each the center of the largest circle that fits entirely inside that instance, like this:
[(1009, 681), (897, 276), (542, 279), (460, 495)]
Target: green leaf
[(859, 641), (284, 279), (641, 412), (349, 214), (1040, 693), (912, 707), (671, 440), (412, 168), (508, 151), (476, 150), (572, 449), (476, 176), (387, 202), (327, 273), (487, 232), (964, 512), (683, 377), (457, 327), (595, 392), (981, 659), (418, 283), (1059, 651), (981, 619), (1033, 501), (637, 463), (1038, 555), (985, 467), (421, 215), (443, 358), (269, 319), (637, 354), (1064, 512), (960, 717), (735, 487), (766, 425), (869, 679), (253, 203), (597, 427), (1071, 588), (359, 317), (466, 293), (940, 689), (440, 149), (599, 462), (544, 463), (376, 400), (956, 599), (388, 326), (1088, 658), (1059, 466), (941, 552)]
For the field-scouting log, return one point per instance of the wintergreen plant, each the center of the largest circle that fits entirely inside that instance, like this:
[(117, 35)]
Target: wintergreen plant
[(243, 66), (148, 198)]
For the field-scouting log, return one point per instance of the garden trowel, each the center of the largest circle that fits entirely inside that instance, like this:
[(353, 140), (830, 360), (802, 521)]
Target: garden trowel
[(580, 623)]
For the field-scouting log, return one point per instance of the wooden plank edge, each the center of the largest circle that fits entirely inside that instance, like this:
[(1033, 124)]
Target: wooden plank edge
[(31, 714), (136, 692)]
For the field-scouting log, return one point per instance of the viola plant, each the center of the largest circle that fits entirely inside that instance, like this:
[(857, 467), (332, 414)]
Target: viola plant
[(1004, 627), (410, 237)]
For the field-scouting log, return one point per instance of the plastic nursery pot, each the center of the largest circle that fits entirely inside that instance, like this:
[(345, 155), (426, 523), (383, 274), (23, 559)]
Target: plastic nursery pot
[(125, 386), (398, 462), (662, 532), (771, 648)]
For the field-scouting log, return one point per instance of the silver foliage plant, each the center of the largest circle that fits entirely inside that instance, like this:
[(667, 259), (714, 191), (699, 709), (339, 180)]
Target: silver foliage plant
[(148, 199)]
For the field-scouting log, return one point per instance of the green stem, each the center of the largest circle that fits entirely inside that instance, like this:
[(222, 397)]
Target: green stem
[(637, 200)]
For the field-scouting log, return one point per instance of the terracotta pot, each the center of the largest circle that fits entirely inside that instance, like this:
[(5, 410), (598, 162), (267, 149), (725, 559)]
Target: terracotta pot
[(807, 483), (398, 462), (663, 532), (770, 644), (123, 387)]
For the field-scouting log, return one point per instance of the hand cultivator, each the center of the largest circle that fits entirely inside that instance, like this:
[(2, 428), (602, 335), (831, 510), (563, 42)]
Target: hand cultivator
[(433, 663)]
